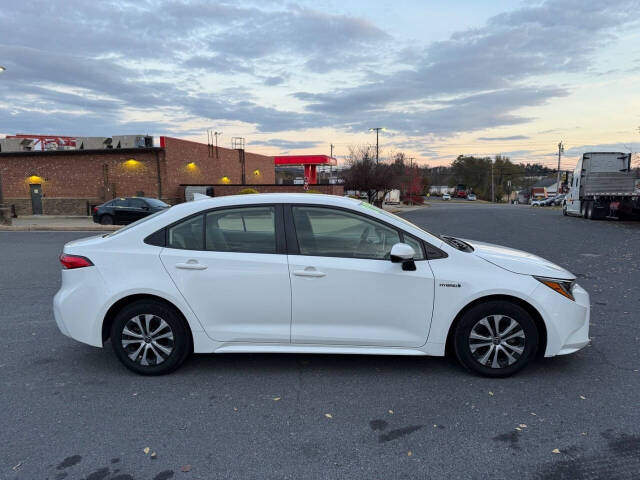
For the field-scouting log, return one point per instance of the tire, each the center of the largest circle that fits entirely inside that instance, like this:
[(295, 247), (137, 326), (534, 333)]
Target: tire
[(138, 351), (521, 342), (106, 220), (589, 211), (583, 209), (564, 209)]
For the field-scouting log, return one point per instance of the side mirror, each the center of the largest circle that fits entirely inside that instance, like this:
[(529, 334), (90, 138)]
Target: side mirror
[(403, 253)]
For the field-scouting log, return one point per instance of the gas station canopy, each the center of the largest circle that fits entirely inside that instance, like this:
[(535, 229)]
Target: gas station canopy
[(310, 162)]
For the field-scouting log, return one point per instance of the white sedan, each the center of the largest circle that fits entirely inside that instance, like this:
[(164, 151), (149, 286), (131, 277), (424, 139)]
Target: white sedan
[(304, 273)]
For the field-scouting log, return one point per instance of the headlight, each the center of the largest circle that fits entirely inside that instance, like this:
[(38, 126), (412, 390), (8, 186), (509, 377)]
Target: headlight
[(563, 287)]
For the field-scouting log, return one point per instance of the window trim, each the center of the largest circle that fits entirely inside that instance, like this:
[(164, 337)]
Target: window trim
[(293, 248), (281, 247)]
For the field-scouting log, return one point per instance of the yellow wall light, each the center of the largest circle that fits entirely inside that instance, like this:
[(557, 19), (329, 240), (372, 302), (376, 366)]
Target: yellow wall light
[(225, 180), (132, 163), (34, 179), (256, 172), (191, 166)]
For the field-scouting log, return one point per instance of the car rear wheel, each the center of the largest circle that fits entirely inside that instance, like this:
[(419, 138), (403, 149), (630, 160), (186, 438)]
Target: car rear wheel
[(106, 220), (496, 339), (150, 338)]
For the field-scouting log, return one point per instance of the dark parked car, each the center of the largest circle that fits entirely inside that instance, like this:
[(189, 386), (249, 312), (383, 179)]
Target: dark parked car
[(122, 211)]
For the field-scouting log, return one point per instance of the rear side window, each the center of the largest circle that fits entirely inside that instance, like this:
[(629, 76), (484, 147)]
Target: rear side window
[(187, 235), (248, 230)]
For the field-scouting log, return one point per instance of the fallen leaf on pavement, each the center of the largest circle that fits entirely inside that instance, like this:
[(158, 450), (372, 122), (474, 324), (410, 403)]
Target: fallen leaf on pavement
[(391, 412), (491, 393), (328, 415), (275, 399), (519, 429), (555, 450), (409, 453), (154, 455), (583, 397), (146, 450), (523, 425)]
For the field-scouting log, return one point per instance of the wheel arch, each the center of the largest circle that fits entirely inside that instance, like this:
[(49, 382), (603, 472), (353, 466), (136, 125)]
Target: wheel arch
[(535, 314), (128, 300)]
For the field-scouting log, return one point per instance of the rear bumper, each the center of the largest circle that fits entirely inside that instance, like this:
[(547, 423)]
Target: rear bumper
[(75, 305), (567, 321)]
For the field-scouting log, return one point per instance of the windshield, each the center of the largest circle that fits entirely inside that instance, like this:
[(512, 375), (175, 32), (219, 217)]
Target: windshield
[(142, 220)]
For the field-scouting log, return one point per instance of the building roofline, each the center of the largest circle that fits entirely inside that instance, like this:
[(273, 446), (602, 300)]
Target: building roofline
[(98, 151)]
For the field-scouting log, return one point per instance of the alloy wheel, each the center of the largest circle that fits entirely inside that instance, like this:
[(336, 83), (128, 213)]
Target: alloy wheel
[(147, 339), (497, 341)]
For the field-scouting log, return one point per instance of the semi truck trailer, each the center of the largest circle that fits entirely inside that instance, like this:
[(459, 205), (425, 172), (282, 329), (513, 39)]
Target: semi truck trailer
[(603, 186)]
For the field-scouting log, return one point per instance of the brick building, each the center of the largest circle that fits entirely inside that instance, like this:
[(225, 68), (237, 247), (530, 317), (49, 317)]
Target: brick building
[(70, 182)]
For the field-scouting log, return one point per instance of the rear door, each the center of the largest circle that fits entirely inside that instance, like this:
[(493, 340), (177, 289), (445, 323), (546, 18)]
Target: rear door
[(230, 265)]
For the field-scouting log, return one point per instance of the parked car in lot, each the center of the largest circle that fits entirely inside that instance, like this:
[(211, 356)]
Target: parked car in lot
[(471, 196), (301, 273), (446, 196), (558, 199), (540, 202), (122, 211)]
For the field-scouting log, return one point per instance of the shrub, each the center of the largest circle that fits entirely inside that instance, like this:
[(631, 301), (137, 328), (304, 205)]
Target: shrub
[(313, 191), (246, 191)]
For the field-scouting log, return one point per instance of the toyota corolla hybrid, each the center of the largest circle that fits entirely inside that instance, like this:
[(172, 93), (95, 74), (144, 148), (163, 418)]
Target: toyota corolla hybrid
[(305, 273)]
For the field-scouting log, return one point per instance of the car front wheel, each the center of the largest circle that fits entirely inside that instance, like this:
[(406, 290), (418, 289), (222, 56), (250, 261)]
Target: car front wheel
[(150, 338), (496, 339)]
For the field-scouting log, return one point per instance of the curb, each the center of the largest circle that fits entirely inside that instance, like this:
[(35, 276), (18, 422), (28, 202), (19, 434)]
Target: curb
[(60, 228)]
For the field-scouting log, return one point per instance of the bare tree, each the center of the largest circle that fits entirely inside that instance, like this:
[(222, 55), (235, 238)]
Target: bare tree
[(365, 174)]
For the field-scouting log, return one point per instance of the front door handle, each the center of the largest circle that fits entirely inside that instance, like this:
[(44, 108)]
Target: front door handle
[(191, 265), (309, 272)]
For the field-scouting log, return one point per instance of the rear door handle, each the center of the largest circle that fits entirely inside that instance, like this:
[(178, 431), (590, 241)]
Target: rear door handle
[(309, 272), (191, 265)]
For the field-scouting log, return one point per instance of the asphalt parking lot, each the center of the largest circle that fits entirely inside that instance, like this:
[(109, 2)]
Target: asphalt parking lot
[(71, 411)]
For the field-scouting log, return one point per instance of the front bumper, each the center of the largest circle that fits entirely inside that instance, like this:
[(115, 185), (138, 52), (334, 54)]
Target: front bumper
[(567, 321)]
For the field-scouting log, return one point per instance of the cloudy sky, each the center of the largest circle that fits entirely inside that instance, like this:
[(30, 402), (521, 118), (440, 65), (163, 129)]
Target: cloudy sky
[(444, 77)]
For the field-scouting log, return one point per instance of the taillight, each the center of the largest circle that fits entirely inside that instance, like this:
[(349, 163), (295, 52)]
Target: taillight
[(74, 261), (95, 209)]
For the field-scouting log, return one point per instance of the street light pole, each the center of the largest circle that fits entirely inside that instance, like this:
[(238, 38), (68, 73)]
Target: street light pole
[(5, 215), (377, 130)]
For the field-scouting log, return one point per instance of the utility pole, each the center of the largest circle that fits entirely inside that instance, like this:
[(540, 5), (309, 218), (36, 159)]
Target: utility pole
[(377, 130), (560, 150), (411, 159), (493, 198)]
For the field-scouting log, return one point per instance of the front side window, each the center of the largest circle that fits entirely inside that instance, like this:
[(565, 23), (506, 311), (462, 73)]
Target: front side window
[(416, 245), (187, 235), (137, 203), (329, 232), (247, 229)]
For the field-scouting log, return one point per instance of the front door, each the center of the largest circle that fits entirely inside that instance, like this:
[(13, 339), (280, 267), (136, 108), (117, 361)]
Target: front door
[(346, 291), (36, 198), (230, 266)]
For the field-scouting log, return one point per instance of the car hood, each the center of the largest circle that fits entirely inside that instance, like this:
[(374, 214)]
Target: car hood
[(517, 261)]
